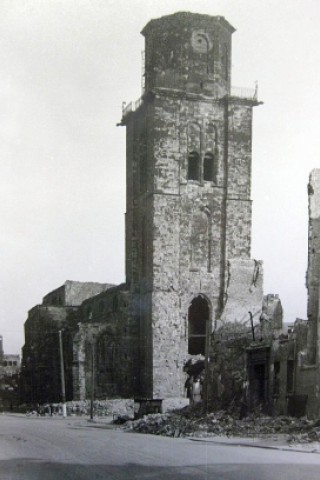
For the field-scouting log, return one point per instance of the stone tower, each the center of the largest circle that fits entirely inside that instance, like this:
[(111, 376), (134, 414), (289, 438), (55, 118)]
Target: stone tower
[(188, 218)]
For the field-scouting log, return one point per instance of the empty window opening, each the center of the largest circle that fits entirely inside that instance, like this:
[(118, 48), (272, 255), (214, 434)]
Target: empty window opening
[(208, 167), (259, 390), (193, 166), (198, 316)]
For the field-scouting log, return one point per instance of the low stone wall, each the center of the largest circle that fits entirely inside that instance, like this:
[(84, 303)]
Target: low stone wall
[(102, 408)]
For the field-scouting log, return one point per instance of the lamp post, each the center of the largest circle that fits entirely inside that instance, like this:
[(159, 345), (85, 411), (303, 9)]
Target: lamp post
[(92, 381), (63, 382)]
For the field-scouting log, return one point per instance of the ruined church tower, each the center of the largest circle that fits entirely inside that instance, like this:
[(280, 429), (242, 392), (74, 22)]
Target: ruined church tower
[(188, 211)]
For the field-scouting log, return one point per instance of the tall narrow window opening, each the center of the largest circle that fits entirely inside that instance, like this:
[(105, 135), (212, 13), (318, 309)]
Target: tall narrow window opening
[(193, 166), (208, 167), (198, 316)]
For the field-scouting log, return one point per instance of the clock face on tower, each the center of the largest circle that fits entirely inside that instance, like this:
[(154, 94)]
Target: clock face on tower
[(200, 42)]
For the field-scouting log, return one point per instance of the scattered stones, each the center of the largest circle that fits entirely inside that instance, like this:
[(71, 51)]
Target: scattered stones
[(193, 422)]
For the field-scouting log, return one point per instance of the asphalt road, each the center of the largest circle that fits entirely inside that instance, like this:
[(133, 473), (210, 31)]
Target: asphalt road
[(54, 448)]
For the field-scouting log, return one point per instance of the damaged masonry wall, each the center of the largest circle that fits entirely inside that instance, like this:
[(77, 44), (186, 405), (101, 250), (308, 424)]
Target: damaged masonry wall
[(313, 272), (244, 292), (307, 381)]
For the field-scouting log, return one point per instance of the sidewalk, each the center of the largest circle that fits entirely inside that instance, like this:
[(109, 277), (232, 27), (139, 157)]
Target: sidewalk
[(273, 442)]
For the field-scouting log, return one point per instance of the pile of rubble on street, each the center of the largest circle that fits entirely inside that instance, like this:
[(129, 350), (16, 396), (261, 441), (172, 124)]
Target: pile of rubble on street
[(195, 423)]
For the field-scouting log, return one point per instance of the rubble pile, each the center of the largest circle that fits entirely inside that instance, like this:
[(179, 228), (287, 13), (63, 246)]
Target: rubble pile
[(189, 423)]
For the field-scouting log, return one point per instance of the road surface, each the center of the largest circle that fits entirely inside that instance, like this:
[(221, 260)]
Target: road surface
[(55, 448)]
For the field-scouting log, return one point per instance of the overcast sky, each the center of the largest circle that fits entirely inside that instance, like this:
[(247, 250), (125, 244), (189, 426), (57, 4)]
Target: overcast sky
[(66, 68)]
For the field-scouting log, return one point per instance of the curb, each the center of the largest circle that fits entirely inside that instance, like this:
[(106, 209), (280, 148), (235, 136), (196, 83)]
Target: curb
[(247, 444)]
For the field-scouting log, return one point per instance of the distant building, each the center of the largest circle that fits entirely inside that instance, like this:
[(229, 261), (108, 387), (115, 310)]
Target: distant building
[(9, 379)]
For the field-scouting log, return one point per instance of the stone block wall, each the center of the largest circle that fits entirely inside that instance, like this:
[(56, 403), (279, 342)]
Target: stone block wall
[(272, 311), (189, 52), (238, 210), (244, 292), (307, 384), (108, 336), (74, 293), (41, 373), (169, 345)]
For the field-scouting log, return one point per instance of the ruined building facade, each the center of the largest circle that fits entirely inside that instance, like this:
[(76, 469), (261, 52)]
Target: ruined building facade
[(191, 311), (60, 310), (307, 373)]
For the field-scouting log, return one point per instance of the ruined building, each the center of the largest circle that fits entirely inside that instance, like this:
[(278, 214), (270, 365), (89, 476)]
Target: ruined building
[(188, 222), (307, 366), (190, 321), (40, 366)]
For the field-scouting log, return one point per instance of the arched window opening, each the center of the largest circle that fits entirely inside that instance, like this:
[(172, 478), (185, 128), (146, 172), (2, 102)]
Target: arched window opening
[(193, 166), (212, 137), (198, 316), (208, 167)]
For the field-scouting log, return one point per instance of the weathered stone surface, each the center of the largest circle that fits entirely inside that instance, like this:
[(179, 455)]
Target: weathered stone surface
[(244, 292), (73, 293), (313, 272), (103, 408), (169, 404)]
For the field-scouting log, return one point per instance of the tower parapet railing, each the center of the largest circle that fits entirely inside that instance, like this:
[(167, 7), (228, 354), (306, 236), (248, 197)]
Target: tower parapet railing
[(245, 93), (238, 92)]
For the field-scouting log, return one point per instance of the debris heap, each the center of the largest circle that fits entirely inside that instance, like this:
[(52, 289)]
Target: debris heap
[(194, 423)]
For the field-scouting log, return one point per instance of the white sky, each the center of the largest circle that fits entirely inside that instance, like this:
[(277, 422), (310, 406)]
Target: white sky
[(67, 66)]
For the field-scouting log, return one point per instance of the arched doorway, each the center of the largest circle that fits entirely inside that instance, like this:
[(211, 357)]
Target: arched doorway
[(198, 316)]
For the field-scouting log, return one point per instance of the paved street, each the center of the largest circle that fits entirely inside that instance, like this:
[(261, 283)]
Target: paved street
[(73, 448)]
